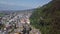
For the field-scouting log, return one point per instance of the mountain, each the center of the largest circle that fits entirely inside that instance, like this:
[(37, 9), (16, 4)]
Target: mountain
[(15, 11), (8, 12), (47, 18)]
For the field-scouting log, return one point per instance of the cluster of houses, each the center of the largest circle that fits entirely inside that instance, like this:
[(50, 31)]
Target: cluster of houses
[(14, 19)]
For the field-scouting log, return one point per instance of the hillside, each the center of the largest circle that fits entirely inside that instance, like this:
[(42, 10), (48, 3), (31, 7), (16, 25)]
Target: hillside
[(47, 18), (7, 12)]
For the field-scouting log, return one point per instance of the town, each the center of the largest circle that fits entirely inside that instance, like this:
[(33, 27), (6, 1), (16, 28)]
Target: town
[(13, 23)]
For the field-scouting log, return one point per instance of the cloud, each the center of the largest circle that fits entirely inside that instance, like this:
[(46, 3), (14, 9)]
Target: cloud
[(16, 4), (22, 4)]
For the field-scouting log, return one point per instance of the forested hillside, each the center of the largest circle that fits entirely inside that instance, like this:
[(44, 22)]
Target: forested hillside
[(47, 18)]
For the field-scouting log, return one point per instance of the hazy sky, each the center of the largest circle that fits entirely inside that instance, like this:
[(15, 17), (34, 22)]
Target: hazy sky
[(21, 4)]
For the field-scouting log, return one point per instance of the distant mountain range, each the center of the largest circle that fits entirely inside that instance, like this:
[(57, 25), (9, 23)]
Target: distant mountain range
[(17, 11)]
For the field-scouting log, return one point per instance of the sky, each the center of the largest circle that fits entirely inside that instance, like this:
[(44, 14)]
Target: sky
[(21, 4)]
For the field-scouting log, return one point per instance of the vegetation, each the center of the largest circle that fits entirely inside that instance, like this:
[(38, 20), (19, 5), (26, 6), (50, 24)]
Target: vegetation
[(1, 14), (47, 18), (1, 25)]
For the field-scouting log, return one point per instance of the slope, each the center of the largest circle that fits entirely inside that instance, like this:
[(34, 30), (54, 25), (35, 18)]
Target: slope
[(47, 18)]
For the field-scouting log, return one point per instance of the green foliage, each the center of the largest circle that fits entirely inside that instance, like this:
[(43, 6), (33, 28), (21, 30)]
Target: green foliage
[(1, 14), (51, 16)]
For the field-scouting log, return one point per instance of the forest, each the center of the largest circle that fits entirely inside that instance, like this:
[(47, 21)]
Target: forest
[(47, 18)]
